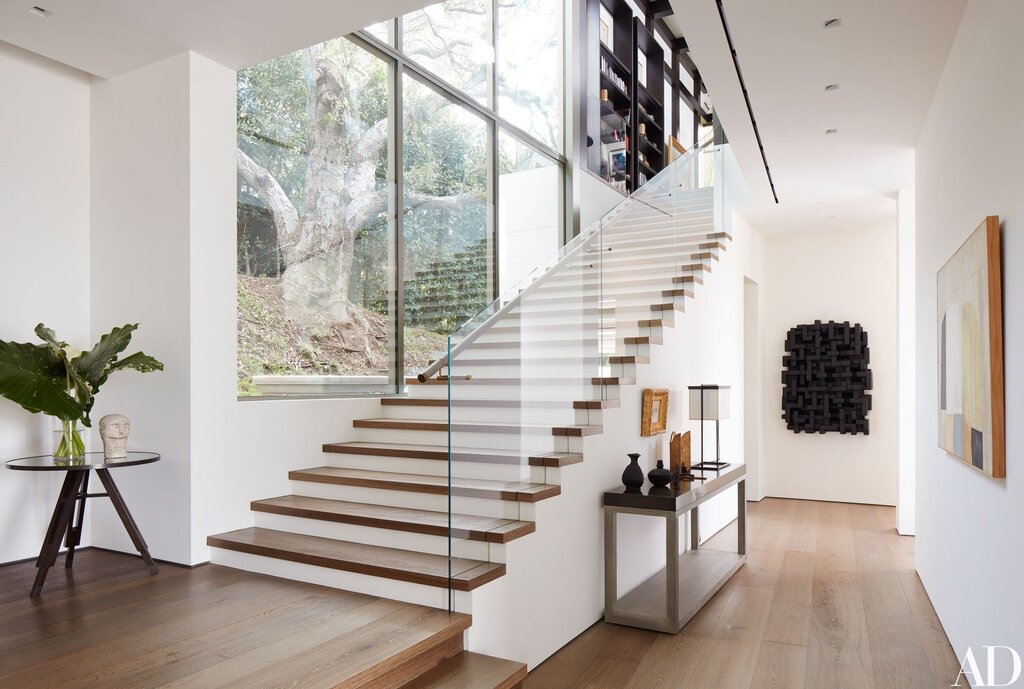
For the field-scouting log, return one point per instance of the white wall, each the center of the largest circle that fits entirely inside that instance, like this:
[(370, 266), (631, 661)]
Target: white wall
[(163, 244), (44, 231), (529, 215), (140, 274), (832, 276), (970, 544), (905, 504)]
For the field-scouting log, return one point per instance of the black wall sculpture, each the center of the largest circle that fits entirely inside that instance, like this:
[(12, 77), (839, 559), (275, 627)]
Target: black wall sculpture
[(825, 378)]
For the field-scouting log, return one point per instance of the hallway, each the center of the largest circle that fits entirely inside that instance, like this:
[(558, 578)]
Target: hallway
[(828, 598)]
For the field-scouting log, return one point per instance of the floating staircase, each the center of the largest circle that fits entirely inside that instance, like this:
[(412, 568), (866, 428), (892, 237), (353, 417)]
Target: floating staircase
[(423, 501)]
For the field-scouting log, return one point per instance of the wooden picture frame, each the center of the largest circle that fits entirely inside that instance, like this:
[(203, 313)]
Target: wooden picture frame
[(969, 321), (654, 412)]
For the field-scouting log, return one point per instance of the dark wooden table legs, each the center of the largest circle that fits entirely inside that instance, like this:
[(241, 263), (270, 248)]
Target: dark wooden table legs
[(59, 522), (65, 526), (126, 518)]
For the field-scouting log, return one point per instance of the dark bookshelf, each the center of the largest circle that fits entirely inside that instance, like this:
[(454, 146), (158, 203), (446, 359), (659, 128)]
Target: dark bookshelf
[(625, 120)]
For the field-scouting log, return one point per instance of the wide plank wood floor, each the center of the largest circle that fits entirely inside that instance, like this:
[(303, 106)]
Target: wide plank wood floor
[(828, 599), (118, 627)]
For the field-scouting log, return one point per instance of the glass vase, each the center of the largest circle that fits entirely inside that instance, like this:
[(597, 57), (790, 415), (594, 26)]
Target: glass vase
[(70, 445)]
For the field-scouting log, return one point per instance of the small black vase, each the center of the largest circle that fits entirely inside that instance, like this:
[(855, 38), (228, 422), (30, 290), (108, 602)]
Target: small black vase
[(633, 476), (660, 476)]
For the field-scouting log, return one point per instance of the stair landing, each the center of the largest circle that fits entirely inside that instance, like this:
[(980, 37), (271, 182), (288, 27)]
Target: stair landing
[(112, 625)]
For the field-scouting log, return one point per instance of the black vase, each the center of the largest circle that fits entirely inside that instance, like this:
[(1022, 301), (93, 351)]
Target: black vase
[(660, 476), (633, 476)]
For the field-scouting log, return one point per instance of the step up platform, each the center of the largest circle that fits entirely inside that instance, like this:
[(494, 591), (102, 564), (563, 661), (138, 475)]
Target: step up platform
[(360, 558), (472, 671)]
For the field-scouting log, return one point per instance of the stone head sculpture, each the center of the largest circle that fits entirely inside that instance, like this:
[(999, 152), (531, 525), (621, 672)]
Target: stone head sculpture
[(114, 430)]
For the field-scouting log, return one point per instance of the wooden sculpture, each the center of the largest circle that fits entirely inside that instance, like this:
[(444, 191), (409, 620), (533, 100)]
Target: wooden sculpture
[(679, 452)]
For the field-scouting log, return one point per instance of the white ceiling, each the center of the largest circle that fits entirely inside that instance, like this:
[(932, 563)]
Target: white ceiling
[(886, 57), (111, 37)]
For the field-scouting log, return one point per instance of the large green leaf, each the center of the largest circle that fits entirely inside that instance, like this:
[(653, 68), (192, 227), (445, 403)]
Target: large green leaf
[(35, 377), (143, 363), (83, 389), (92, 365)]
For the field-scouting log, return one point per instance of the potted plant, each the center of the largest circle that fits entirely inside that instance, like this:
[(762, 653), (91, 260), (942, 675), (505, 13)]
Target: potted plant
[(57, 380)]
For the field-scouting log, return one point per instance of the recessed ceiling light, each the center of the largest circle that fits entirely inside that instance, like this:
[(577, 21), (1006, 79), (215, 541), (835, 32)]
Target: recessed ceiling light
[(40, 11), (832, 87), (833, 23), (831, 131)]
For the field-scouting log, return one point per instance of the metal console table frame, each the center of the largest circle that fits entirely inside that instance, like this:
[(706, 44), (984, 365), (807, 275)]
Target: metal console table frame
[(669, 599)]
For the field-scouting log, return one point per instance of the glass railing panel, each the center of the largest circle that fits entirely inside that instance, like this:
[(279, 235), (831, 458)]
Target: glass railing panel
[(520, 375)]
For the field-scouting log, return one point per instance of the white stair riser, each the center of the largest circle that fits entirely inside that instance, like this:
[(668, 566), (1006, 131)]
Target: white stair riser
[(563, 415), (380, 587), (437, 467), (566, 349), (567, 369), (527, 442), (565, 392), (601, 299), (388, 538), (420, 501)]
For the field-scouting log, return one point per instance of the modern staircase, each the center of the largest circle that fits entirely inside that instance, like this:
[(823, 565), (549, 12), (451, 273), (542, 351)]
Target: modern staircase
[(440, 493)]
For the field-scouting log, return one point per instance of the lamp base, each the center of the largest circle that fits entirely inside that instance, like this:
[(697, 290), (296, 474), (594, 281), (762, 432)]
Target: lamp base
[(710, 466)]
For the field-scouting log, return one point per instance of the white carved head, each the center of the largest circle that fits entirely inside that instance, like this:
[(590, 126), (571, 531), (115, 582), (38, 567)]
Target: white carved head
[(115, 427)]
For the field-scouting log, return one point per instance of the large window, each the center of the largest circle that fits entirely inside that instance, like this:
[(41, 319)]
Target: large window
[(371, 171), (447, 225)]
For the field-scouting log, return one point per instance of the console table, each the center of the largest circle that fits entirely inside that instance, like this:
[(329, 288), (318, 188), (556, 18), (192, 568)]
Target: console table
[(76, 490), (669, 599)]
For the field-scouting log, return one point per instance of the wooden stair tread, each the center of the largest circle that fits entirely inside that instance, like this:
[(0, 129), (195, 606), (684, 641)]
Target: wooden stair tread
[(475, 427), (464, 526), (468, 670), (512, 491), (507, 403), (434, 452), (439, 380), (390, 563), (579, 343)]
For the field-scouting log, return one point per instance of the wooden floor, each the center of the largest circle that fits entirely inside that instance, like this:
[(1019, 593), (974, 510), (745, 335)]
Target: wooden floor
[(828, 599), (121, 628)]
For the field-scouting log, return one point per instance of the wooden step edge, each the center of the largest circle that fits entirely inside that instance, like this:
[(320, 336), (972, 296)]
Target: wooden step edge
[(474, 427), (508, 531), (600, 404), (679, 292), (612, 380), (703, 255), (380, 479), (674, 306), (685, 279), (468, 670), (412, 452), (473, 576), (409, 664), (629, 359), (643, 340), (556, 460)]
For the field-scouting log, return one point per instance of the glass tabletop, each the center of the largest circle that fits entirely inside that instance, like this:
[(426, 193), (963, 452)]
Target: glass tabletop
[(91, 460)]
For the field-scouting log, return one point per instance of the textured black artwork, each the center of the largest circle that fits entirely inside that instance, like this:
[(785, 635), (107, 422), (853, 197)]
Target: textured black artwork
[(825, 378)]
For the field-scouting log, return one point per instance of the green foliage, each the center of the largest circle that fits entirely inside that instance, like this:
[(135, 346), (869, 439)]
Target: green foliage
[(54, 379)]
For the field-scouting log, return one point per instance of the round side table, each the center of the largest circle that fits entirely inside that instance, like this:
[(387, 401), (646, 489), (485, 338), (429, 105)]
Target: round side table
[(76, 490)]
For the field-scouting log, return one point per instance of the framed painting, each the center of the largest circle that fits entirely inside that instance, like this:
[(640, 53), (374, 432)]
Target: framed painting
[(654, 412), (970, 336)]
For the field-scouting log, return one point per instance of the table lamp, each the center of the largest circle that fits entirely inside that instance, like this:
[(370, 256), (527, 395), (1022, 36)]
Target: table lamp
[(709, 402)]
